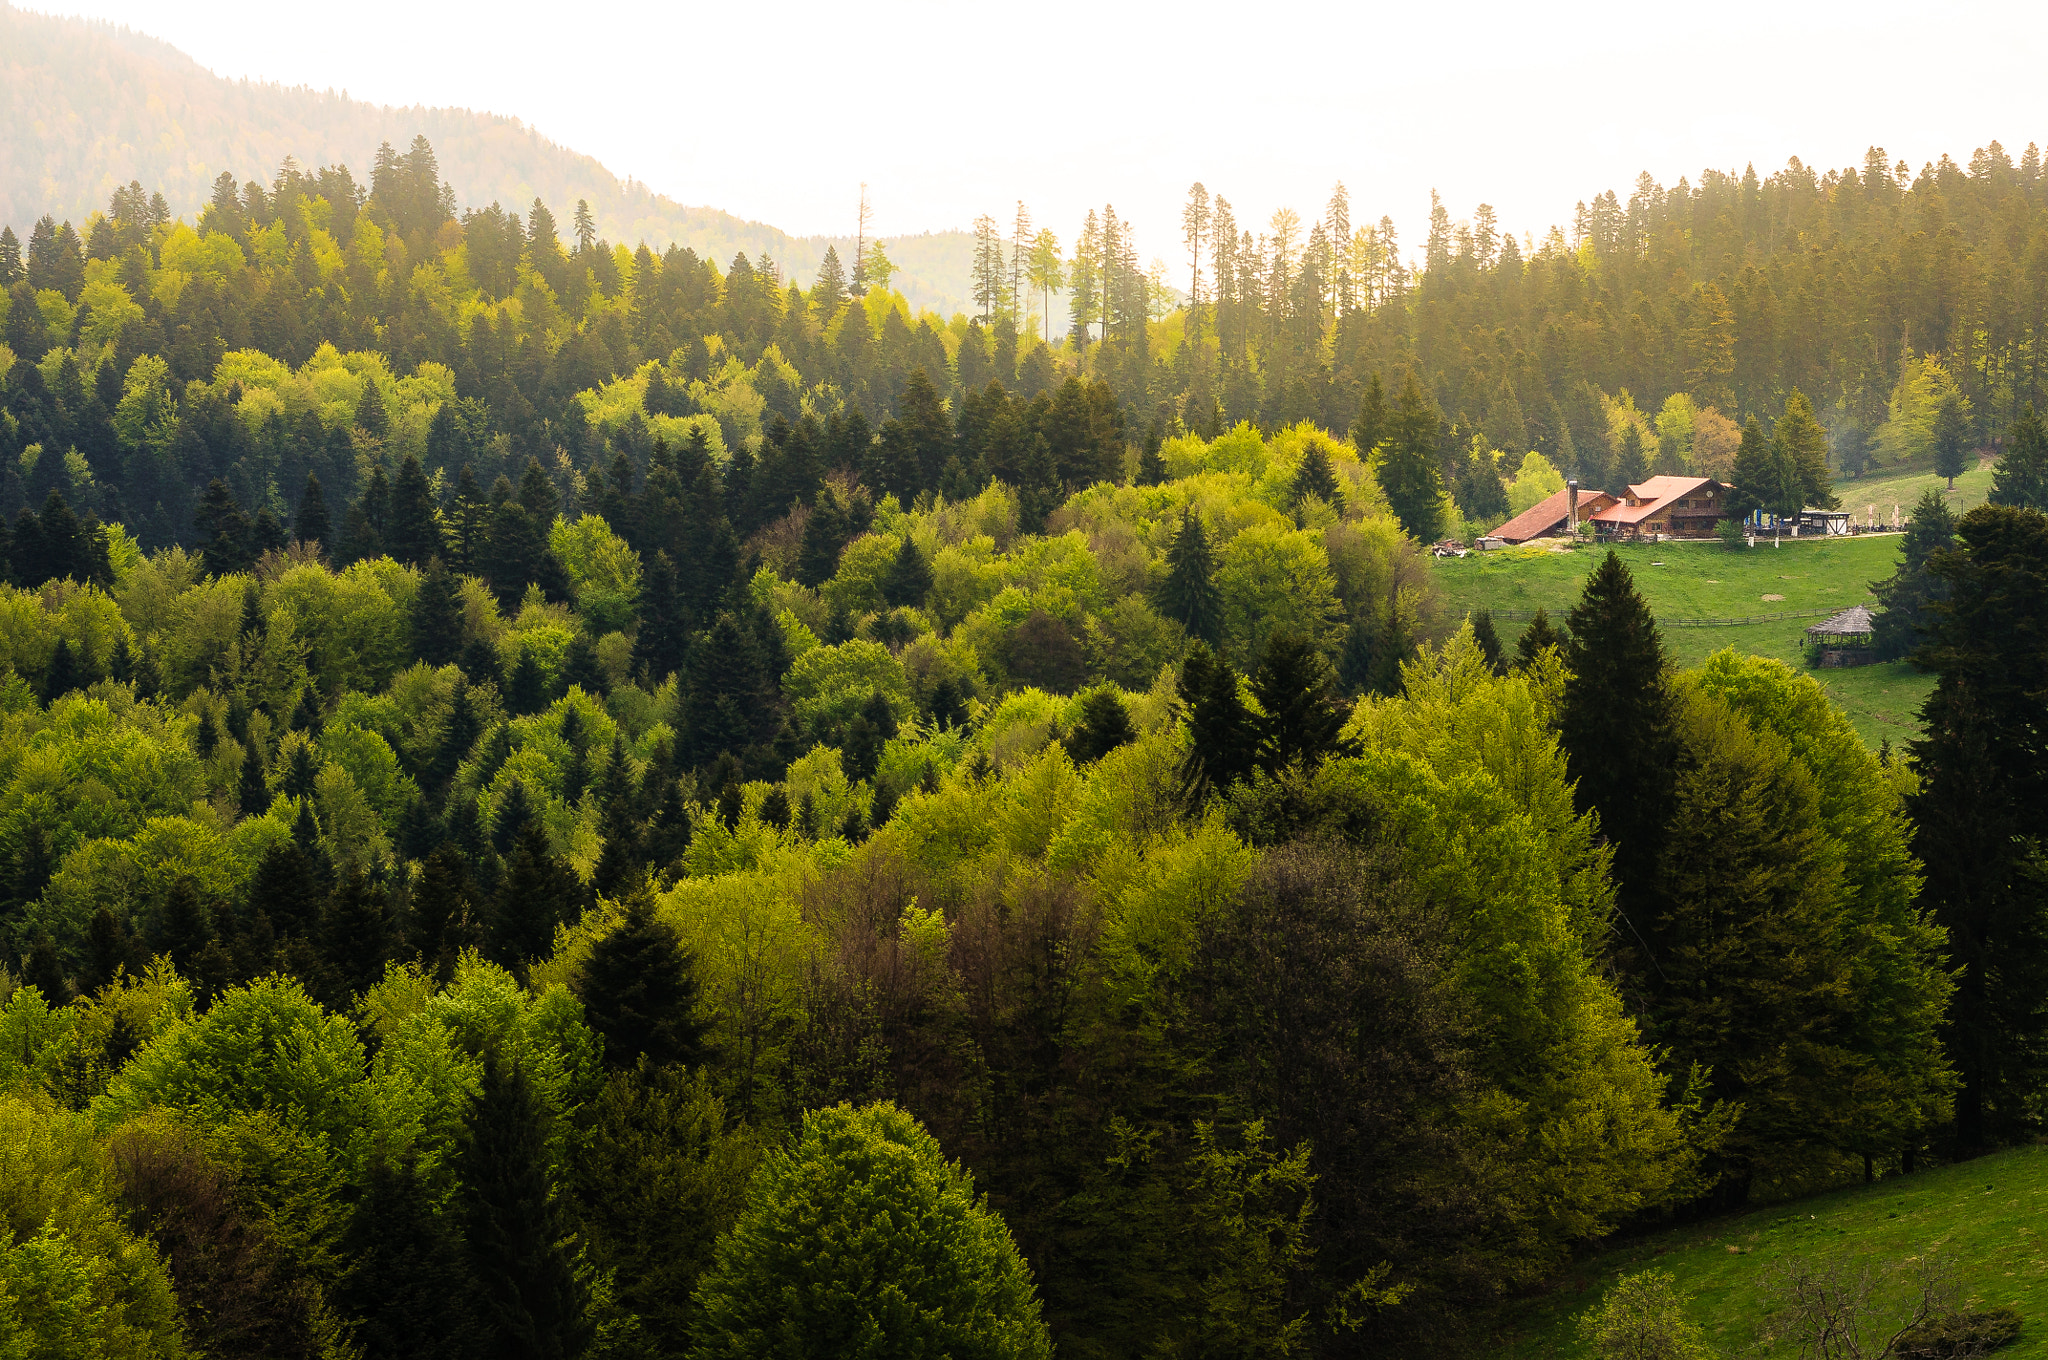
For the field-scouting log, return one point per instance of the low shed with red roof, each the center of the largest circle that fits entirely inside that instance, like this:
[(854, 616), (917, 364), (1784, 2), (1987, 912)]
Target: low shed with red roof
[(1548, 516)]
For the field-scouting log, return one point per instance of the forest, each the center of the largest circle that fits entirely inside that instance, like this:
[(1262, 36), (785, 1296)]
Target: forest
[(561, 800)]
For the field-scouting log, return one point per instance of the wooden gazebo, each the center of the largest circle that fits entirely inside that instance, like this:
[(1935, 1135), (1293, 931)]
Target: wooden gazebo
[(1847, 639)]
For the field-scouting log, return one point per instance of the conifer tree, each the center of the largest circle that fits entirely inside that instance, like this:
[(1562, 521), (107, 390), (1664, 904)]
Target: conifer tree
[(1489, 641), (526, 692), (252, 795), (1951, 435), (407, 1273), (1188, 595), (825, 535), (1615, 720), (530, 1301), (437, 616), (539, 893), (1755, 472), (358, 934), (1315, 477), (2021, 475), (1981, 812), (439, 924), (1371, 426), (1222, 743), (414, 535), (1632, 466), (1408, 469), (1906, 599), (639, 990), (1296, 689), (60, 677), (909, 579), (1806, 443), (1105, 725)]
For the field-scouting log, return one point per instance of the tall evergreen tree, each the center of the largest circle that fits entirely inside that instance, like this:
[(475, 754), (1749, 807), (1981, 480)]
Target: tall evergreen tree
[(1615, 721), (1222, 740), (1951, 434), (437, 616), (539, 893), (407, 1274), (1408, 469), (2021, 476), (1755, 475), (639, 990), (414, 536), (1301, 713), (1981, 813), (1489, 641), (1906, 599), (1315, 477), (1188, 595), (909, 579), (1806, 444), (530, 1301)]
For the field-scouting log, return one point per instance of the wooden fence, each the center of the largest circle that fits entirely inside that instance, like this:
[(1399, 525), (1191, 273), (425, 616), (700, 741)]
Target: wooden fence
[(1524, 615)]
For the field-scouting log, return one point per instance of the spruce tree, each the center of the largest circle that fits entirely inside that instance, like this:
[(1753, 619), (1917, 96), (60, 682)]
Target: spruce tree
[(1296, 689), (639, 990), (1755, 472), (526, 692), (1105, 725), (1408, 469), (1373, 423), (2021, 475), (909, 579), (439, 925), (253, 794), (414, 535), (1489, 641), (1222, 742), (1615, 720), (60, 677), (530, 1302), (539, 892), (1632, 466), (1315, 477), (1538, 635), (310, 524), (825, 535), (357, 934), (1951, 434), (1806, 443), (1188, 594), (1906, 600), (437, 616), (1981, 813), (407, 1276)]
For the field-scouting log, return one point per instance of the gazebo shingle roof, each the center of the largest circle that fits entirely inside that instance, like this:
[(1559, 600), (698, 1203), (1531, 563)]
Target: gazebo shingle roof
[(1850, 622)]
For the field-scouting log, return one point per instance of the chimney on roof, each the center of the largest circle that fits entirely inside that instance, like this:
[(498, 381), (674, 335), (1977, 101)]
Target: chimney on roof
[(1571, 506)]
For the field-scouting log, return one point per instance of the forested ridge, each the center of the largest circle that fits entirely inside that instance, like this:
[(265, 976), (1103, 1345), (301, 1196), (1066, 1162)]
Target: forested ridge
[(561, 800)]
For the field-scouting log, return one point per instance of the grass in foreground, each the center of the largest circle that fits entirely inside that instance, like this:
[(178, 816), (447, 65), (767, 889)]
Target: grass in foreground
[(1991, 1215), (1704, 580)]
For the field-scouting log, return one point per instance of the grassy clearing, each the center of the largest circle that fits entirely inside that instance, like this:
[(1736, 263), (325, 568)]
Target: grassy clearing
[(1887, 487), (1990, 1214), (1704, 580)]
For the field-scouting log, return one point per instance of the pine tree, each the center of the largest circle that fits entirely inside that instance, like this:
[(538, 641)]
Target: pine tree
[(909, 580), (1408, 469), (1807, 445), (1222, 743), (1296, 689), (530, 1301), (1633, 465), (1105, 725), (1755, 472), (1951, 438), (1489, 641), (60, 677), (1189, 595), (1373, 423), (639, 990), (357, 934), (1615, 721), (1315, 478), (253, 795), (526, 692), (437, 616), (1906, 600), (414, 535), (539, 893), (2021, 476), (407, 1274), (825, 535), (1981, 813)]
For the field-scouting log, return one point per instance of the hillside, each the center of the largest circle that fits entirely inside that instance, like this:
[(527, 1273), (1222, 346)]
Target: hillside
[(1984, 1213), (89, 107)]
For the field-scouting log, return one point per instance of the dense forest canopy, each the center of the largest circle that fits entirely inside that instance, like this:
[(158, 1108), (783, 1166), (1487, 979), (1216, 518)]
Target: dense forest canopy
[(551, 792)]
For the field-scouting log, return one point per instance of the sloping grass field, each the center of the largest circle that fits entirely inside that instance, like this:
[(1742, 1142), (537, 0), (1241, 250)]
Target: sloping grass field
[(1990, 1215), (1702, 580), (1888, 487)]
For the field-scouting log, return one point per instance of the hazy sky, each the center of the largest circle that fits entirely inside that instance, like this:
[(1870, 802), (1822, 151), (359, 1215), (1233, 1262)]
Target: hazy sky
[(779, 111)]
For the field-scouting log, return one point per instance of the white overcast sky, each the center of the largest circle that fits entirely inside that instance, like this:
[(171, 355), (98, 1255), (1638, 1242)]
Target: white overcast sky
[(778, 111)]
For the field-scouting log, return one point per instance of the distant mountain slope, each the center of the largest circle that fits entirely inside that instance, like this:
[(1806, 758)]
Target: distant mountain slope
[(86, 107)]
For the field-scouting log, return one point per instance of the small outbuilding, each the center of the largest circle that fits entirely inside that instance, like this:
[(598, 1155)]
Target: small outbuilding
[(1847, 639)]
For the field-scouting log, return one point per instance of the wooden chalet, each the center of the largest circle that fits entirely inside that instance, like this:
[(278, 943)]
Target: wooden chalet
[(1668, 507), (1550, 515)]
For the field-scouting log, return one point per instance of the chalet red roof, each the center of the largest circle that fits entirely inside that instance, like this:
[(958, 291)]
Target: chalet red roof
[(1653, 497), (1547, 514)]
